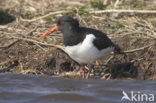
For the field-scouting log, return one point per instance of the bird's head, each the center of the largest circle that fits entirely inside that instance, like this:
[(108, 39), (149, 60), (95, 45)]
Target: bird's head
[(64, 24)]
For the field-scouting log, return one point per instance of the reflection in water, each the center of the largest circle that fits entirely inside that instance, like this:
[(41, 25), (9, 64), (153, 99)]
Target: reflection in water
[(18, 88)]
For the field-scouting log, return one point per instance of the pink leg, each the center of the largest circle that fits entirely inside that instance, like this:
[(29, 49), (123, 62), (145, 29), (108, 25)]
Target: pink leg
[(83, 70), (90, 69)]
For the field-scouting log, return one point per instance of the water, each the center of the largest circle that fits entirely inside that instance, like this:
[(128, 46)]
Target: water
[(18, 88)]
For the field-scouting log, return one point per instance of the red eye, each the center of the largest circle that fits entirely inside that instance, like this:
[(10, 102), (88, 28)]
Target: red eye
[(62, 22)]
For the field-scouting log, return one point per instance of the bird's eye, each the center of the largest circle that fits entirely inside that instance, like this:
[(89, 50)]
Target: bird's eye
[(62, 22)]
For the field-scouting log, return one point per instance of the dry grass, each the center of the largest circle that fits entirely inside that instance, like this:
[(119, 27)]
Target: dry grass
[(130, 24)]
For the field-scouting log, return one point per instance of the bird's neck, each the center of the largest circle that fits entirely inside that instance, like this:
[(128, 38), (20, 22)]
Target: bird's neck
[(72, 37)]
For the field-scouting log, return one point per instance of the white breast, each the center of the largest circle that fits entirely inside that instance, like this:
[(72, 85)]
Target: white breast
[(86, 52)]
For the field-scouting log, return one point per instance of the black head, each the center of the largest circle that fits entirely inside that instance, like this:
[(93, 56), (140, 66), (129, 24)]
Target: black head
[(67, 23)]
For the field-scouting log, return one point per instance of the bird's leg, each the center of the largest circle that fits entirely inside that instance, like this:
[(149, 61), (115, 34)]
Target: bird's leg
[(83, 70), (90, 69)]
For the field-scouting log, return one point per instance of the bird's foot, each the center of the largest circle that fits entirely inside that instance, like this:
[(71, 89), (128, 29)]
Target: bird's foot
[(88, 75), (84, 76)]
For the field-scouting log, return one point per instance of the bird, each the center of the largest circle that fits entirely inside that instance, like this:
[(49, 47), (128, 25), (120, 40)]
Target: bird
[(84, 45)]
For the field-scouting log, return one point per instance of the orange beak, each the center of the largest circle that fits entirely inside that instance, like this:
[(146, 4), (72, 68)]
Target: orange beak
[(49, 32)]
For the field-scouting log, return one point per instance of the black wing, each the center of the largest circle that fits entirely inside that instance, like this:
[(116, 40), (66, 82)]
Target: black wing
[(101, 41)]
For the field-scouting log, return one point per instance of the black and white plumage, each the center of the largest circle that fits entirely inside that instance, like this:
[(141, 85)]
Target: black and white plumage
[(84, 45)]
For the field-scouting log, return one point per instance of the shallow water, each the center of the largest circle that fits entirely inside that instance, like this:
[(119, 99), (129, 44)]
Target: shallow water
[(18, 88)]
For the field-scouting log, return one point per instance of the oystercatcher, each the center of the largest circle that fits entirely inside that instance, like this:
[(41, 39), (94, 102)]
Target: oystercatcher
[(84, 45)]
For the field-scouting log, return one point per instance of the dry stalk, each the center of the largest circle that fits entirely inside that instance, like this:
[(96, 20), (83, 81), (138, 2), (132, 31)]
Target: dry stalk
[(30, 32), (97, 17), (39, 46), (27, 71), (144, 27), (138, 49), (123, 11), (44, 16), (40, 43), (8, 61), (116, 4), (9, 45), (3, 27)]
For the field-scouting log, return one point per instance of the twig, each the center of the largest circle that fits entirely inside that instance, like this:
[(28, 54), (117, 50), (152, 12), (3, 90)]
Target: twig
[(151, 28), (123, 11), (80, 18), (31, 71), (110, 58), (67, 2), (7, 61), (100, 18), (128, 51), (23, 26), (105, 2), (148, 26), (134, 50), (29, 33), (34, 41), (9, 45), (21, 66), (44, 16), (39, 46), (74, 3), (3, 27), (116, 4)]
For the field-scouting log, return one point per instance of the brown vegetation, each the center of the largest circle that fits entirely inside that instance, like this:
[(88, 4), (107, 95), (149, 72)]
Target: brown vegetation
[(129, 24)]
